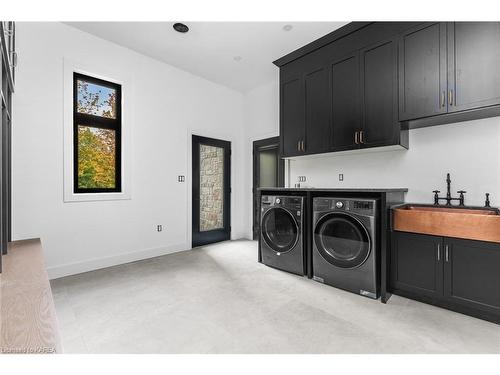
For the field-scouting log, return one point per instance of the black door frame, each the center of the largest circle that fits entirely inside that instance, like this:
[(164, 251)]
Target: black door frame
[(203, 238), (264, 145)]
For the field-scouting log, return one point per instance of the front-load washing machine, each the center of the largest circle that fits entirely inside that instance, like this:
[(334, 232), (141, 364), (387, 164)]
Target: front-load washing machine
[(281, 232), (344, 251)]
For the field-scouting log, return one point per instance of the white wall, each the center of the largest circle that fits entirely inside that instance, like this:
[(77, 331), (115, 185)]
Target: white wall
[(469, 151), (261, 118), (169, 105)]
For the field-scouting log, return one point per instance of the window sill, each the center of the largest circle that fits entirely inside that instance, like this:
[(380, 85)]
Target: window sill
[(95, 197)]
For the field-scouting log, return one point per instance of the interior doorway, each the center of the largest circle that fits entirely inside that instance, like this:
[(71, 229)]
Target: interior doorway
[(268, 171), (211, 221)]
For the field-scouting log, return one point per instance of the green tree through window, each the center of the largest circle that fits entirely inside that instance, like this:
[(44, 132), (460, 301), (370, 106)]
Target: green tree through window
[(97, 131)]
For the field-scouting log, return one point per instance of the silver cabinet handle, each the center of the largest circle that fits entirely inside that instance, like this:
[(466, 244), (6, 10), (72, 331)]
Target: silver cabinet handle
[(450, 97), (298, 146), (303, 146), (362, 136), (439, 252), (443, 95), (356, 138), (446, 253)]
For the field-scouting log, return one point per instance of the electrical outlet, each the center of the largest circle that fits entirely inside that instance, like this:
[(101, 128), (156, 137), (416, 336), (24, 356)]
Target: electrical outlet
[(302, 178), (159, 228), (181, 178), (341, 177)]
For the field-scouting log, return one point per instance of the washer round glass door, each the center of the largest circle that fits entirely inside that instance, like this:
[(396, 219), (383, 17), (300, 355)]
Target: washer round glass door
[(342, 240), (279, 230)]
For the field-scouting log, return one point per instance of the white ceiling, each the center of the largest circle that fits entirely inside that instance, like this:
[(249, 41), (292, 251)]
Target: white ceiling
[(209, 48)]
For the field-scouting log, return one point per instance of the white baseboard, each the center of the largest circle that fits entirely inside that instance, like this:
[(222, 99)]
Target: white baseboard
[(114, 260)]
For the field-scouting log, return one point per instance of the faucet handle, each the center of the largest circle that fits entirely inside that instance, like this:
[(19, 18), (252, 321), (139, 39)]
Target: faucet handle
[(487, 201), (461, 198), (436, 197)]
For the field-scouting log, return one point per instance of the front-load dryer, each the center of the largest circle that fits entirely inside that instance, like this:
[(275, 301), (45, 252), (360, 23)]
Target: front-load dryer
[(344, 251), (281, 232)]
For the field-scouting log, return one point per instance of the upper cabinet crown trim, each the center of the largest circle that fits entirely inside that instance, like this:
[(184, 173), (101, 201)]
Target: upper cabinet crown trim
[(321, 42)]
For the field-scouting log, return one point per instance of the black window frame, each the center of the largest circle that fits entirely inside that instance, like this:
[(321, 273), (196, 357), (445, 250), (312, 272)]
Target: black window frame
[(94, 121)]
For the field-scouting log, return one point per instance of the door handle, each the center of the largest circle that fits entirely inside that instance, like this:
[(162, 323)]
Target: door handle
[(298, 145), (443, 95), (362, 136), (303, 147), (439, 252), (446, 253), (356, 138), (450, 97)]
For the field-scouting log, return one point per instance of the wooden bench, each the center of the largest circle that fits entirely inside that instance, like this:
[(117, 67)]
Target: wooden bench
[(28, 322)]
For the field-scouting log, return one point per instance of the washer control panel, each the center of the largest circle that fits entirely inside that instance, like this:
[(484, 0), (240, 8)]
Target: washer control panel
[(293, 203)]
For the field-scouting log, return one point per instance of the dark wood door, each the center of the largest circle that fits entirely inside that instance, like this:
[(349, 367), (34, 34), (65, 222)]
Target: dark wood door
[(471, 274), (417, 263), (317, 111), (379, 76), (268, 171), (346, 109), (473, 65), (292, 129), (211, 220), (422, 72)]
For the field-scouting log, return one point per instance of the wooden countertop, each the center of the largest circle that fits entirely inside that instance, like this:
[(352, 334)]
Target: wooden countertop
[(28, 316)]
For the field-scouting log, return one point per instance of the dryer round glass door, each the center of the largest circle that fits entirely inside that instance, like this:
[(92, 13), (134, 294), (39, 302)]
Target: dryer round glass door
[(279, 230), (342, 240)]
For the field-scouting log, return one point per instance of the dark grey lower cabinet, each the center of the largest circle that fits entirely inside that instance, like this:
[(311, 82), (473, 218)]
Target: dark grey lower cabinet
[(417, 263), (461, 275), (472, 274)]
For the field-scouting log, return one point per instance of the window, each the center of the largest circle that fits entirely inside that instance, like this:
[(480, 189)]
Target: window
[(96, 135)]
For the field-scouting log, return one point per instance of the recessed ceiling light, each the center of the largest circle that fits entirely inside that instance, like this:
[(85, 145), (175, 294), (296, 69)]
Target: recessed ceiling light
[(287, 27), (180, 27), (237, 58)]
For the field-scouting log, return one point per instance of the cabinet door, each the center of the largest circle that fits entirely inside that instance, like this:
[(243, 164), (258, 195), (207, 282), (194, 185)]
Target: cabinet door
[(317, 111), (472, 274), (473, 65), (380, 125), (346, 109), (292, 117), (417, 263), (422, 72)]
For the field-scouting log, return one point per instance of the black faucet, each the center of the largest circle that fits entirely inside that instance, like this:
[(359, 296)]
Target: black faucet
[(449, 198)]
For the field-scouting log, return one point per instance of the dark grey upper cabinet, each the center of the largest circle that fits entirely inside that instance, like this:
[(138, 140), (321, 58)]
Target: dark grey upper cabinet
[(473, 65), (370, 83), (292, 128), (317, 111), (447, 68), (471, 276), (380, 126), (422, 71), (346, 107)]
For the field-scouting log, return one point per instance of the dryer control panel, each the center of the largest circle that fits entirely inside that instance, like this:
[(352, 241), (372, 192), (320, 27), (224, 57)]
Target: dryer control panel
[(366, 207)]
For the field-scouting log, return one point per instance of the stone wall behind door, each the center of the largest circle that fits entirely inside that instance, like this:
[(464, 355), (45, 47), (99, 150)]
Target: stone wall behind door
[(211, 187)]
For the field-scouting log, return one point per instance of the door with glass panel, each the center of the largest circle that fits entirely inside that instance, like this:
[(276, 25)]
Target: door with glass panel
[(268, 171), (211, 191)]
